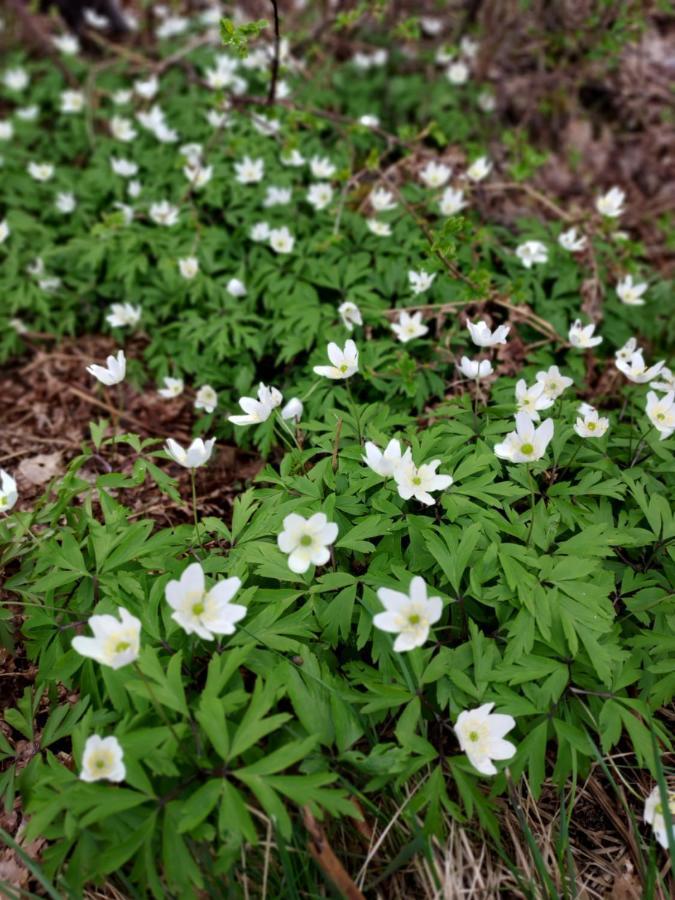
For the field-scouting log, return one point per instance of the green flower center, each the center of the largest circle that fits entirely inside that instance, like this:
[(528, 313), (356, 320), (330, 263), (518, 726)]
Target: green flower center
[(306, 540), (417, 480), (660, 416), (122, 646), (100, 764), (590, 426), (473, 736), (527, 449), (414, 619), (343, 367), (197, 609)]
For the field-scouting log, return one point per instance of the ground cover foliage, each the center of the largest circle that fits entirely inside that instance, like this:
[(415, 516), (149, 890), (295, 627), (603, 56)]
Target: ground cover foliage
[(244, 237)]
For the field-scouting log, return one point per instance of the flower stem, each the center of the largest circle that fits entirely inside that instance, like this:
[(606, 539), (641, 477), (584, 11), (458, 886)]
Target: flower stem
[(194, 508)]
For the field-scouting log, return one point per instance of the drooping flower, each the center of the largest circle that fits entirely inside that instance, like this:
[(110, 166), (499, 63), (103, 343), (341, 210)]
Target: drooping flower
[(479, 169), (173, 387), (409, 326), (630, 292), (197, 454), (257, 411), (480, 733), (8, 491), (581, 336), (102, 760), (206, 398), (661, 413), (589, 423), (293, 409), (420, 281), (452, 201), (281, 240), (306, 541), (202, 612), (188, 267), (553, 383), (611, 204), (345, 362), (409, 616), (435, 175), (388, 461), (113, 372), (532, 399), (475, 368), (116, 642), (636, 370), (531, 253), (123, 314), (526, 443), (420, 481), (350, 315), (654, 815), (570, 240), (483, 337)]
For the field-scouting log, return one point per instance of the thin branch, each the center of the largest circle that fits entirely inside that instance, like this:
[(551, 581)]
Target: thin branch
[(271, 97)]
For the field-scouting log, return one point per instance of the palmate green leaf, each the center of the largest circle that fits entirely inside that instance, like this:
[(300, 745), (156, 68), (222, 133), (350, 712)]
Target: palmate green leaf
[(200, 804)]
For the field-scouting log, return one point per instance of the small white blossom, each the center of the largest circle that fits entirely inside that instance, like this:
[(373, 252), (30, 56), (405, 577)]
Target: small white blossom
[(322, 167), (627, 350), (41, 171), (661, 413), (487, 101), (113, 372), (553, 383), (6, 130), (457, 72), (581, 336), (345, 363), (201, 612), (654, 815), (667, 383), (65, 202), (420, 281), (72, 101), (409, 616), (123, 314), (480, 733), (388, 461), (5, 230), (116, 642), (532, 399), (236, 288), (260, 232), (350, 315), (420, 481), (122, 129), (173, 387), (435, 175), (102, 760), (483, 337), (475, 368), (293, 158), (570, 240), (8, 491), (611, 204), (382, 200), (630, 292), (257, 411), (188, 267), (206, 398), (319, 195), (451, 202), (147, 88), (15, 79), (164, 213), (409, 326), (249, 171), (67, 44), (28, 113), (479, 169), (277, 196), (636, 370), (124, 167), (381, 229), (307, 541), (532, 252), (197, 454), (526, 443), (589, 423), (369, 121), (198, 176), (293, 409), (281, 240)]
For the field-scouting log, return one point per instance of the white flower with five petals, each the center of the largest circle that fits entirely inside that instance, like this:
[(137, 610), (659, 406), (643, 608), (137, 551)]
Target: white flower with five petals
[(409, 616), (307, 541), (257, 411), (420, 481), (480, 733), (197, 454), (344, 363), (201, 612), (116, 642)]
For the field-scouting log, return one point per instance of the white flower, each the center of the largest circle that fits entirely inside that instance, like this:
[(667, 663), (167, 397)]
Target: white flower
[(569, 240), (50, 284), (192, 153), (116, 642), (480, 733), (420, 281), (382, 200), (65, 202), (468, 47), (123, 167), (164, 213), (293, 409), (8, 491), (553, 383), (249, 171), (369, 121), (479, 169), (148, 88), (206, 398), (36, 267), (526, 443), (217, 119), (627, 350), (589, 423), (173, 387), (457, 72), (281, 240), (435, 175), (188, 267), (350, 315), (381, 229), (667, 384), (582, 336), (28, 113), (531, 399), (113, 373), (72, 101), (487, 101), (19, 326), (419, 481), (260, 232), (475, 368), (198, 176), (41, 171), (306, 541), (123, 314), (202, 612), (94, 19), (257, 411), (611, 204), (67, 44), (322, 167), (635, 369), (6, 130), (631, 293), (236, 288), (122, 129), (277, 196), (344, 362), (134, 188), (15, 79), (409, 327), (122, 97), (319, 195), (483, 337), (661, 413), (654, 815), (388, 461), (197, 454), (102, 760), (172, 26), (294, 158), (451, 201), (410, 616), (431, 25), (263, 124), (532, 252)]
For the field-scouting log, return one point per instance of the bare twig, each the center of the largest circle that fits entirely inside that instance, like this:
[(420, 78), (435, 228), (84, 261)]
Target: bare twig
[(271, 97)]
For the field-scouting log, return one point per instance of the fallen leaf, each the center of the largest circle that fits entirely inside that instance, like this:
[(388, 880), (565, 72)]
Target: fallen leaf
[(40, 469)]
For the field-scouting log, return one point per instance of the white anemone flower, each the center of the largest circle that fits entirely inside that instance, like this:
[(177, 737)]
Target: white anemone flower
[(482, 336), (8, 491), (322, 167), (409, 326), (661, 413), (188, 267), (201, 612), (420, 281), (452, 201), (197, 454), (479, 169), (532, 399), (41, 171), (475, 368), (281, 240), (260, 232), (164, 213), (553, 382), (116, 642), (532, 253), (5, 231), (435, 175), (388, 461), (611, 204), (480, 733), (344, 363), (382, 200), (249, 171), (630, 292), (409, 616), (378, 228), (72, 101), (420, 481), (102, 760), (667, 383), (206, 398), (526, 443), (122, 129), (65, 202), (319, 195), (123, 167), (113, 372), (636, 370), (173, 387), (307, 541), (654, 815), (277, 196), (293, 409), (350, 315), (123, 314), (457, 72), (257, 411), (581, 336), (235, 287), (589, 423), (570, 240)]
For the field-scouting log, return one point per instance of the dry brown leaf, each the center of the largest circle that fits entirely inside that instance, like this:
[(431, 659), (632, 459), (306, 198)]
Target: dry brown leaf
[(41, 468)]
